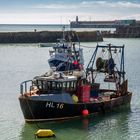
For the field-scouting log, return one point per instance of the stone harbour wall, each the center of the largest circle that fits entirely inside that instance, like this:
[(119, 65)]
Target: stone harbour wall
[(48, 36)]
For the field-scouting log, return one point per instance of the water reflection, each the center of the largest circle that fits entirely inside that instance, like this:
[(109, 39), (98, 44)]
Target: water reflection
[(113, 126)]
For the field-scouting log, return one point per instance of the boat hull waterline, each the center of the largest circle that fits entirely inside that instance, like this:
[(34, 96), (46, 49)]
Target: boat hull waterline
[(41, 110)]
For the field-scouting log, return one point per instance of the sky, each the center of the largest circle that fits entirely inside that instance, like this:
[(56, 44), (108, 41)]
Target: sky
[(64, 11)]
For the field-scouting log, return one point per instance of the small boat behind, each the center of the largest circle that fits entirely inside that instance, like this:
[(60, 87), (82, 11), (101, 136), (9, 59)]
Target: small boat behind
[(66, 56), (47, 44), (58, 95), (67, 53)]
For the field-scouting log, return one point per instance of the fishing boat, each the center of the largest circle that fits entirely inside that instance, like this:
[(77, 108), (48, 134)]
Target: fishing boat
[(57, 95), (66, 55)]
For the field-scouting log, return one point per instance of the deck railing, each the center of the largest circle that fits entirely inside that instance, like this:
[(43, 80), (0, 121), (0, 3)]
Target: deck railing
[(26, 86)]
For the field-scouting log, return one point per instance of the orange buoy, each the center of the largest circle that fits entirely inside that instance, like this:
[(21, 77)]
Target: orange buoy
[(85, 112)]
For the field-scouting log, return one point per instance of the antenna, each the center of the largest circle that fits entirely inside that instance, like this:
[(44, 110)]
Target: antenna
[(63, 29)]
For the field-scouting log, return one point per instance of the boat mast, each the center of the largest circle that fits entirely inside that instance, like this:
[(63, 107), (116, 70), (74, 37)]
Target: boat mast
[(63, 30)]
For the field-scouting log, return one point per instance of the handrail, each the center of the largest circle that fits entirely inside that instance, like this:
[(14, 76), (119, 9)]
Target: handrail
[(24, 86)]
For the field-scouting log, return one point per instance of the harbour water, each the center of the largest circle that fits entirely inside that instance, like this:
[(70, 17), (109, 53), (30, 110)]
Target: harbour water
[(31, 27), (19, 62)]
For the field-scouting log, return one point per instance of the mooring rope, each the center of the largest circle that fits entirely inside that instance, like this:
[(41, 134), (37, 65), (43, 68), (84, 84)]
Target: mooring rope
[(32, 113)]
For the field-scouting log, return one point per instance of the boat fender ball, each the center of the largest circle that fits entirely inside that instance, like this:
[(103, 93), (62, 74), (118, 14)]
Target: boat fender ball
[(85, 112), (75, 98), (42, 133)]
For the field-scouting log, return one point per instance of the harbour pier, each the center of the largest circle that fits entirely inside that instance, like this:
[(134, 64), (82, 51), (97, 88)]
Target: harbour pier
[(123, 28)]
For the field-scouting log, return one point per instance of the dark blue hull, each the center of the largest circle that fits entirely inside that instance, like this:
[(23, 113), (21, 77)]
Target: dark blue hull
[(43, 110)]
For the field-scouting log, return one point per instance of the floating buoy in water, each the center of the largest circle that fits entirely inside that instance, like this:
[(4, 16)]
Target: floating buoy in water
[(85, 112), (42, 133)]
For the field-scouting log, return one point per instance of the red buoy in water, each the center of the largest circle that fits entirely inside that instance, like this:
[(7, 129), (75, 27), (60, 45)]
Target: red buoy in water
[(85, 112)]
